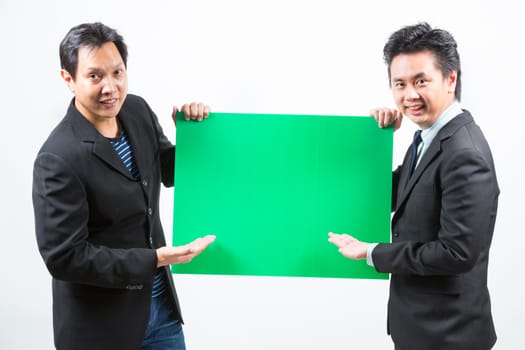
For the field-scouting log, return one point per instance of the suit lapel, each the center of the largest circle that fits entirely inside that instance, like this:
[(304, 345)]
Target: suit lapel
[(133, 130), (101, 148), (431, 154), (105, 151)]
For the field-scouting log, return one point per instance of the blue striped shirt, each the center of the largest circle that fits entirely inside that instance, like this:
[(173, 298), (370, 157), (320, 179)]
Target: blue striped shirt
[(123, 149)]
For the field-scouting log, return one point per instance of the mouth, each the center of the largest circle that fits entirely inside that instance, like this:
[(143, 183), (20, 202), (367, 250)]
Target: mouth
[(109, 103), (415, 109)]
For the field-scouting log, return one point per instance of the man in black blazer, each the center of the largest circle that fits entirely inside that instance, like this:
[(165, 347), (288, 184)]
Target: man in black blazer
[(96, 186), (445, 197)]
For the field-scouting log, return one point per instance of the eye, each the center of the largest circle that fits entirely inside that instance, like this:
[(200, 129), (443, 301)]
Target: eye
[(421, 82), (120, 72), (399, 85), (94, 76)]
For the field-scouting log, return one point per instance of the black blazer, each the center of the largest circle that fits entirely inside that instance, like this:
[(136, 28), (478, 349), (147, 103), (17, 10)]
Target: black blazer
[(441, 234), (97, 227)]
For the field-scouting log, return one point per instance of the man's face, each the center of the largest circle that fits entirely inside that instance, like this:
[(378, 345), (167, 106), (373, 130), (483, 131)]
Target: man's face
[(420, 90), (101, 82)]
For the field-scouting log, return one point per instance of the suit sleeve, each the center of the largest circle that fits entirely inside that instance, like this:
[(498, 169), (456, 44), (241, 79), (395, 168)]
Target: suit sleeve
[(61, 221), (468, 207), (395, 185)]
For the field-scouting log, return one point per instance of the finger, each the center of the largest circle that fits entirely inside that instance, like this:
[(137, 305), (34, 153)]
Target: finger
[(209, 239), (375, 113), (203, 111), (194, 110), (336, 240), (187, 111), (383, 117), (186, 259), (174, 114), (333, 237), (181, 250), (379, 116), (200, 111), (346, 252), (201, 243), (398, 121)]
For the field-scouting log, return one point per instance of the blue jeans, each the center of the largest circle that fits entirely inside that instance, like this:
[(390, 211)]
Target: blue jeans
[(163, 332)]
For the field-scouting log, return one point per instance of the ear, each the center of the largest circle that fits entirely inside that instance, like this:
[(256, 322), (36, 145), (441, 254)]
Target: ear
[(452, 79), (68, 79)]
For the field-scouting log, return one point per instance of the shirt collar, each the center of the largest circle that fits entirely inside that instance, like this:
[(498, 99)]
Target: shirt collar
[(427, 135)]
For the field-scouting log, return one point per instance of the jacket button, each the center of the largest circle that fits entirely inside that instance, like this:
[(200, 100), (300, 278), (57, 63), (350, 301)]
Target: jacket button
[(134, 286), (150, 211), (151, 241), (396, 234), (144, 183)]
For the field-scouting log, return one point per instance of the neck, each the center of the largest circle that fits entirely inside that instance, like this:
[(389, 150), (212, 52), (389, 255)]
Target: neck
[(109, 129)]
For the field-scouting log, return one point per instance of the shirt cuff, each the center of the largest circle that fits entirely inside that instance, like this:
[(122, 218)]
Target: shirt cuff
[(369, 260)]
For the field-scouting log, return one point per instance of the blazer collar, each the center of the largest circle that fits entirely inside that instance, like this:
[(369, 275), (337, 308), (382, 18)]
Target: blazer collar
[(433, 150), (135, 131), (101, 147)]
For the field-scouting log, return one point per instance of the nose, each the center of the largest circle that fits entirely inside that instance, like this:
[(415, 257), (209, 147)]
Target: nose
[(411, 93), (109, 85)]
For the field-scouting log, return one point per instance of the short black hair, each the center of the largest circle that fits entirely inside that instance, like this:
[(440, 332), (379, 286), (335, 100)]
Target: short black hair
[(92, 35), (422, 37)]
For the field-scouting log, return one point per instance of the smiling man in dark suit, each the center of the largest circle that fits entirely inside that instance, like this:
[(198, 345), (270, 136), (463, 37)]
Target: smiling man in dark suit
[(445, 198), (96, 187)]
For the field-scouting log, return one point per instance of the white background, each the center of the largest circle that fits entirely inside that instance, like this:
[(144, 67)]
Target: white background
[(271, 56)]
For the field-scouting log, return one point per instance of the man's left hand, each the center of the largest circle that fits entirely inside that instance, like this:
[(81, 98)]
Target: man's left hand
[(348, 245)]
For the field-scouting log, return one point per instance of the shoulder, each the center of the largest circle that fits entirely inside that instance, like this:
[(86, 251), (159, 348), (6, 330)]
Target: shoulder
[(465, 144), (462, 133), (66, 140), (135, 103), (62, 139)]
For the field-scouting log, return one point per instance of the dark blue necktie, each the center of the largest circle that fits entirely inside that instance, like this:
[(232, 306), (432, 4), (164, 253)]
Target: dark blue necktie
[(413, 153)]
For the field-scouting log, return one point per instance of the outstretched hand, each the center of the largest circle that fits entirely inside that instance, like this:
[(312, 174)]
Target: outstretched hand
[(193, 111), (183, 254), (348, 245)]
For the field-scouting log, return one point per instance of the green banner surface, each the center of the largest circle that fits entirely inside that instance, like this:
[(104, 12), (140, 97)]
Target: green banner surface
[(271, 187)]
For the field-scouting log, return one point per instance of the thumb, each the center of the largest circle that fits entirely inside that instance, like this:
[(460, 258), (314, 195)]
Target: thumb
[(174, 114)]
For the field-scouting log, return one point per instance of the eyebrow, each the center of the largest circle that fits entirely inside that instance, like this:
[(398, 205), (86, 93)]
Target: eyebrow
[(417, 76), (97, 69)]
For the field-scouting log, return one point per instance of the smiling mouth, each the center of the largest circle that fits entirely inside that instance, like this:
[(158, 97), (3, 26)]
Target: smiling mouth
[(416, 108), (109, 102)]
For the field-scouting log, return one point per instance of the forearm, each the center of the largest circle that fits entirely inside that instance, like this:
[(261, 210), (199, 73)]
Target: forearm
[(102, 266)]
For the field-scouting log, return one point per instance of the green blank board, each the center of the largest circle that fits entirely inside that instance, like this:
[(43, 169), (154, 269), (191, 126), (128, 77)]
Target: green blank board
[(271, 187)]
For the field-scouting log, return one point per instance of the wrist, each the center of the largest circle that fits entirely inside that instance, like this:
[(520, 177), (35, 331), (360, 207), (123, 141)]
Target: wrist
[(161, 259)]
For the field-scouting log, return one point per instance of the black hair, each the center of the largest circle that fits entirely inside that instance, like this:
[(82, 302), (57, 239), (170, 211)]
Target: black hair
[(92, 35), (422, 37)]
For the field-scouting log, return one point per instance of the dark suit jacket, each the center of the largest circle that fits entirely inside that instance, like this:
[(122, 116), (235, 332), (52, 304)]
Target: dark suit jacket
[(97, 227), (441, 234)]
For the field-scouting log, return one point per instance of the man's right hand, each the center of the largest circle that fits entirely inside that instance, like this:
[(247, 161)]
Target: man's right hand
[(387, 116), (183, 254)]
